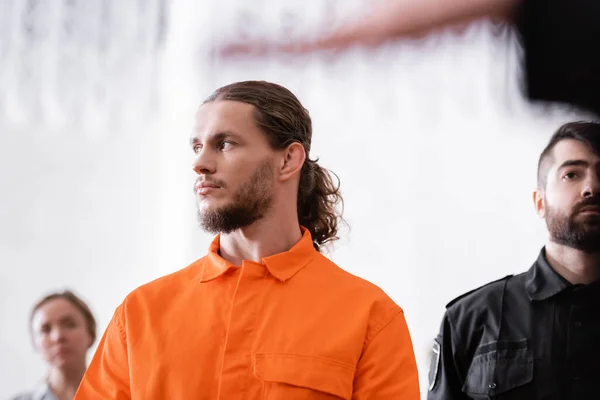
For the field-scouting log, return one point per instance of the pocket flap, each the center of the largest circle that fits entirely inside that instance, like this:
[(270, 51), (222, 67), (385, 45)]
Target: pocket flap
[(499, 370), (322, 374)]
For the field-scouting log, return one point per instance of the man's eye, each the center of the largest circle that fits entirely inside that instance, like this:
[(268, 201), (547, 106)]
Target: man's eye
[(225, 144), (570, 175)]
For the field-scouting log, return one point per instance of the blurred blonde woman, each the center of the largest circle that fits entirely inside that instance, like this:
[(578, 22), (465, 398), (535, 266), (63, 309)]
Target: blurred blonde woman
[(62, 329)]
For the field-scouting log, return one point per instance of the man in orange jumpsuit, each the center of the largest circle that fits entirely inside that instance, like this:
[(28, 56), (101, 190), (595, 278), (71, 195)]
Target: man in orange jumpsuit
[(263, 315)]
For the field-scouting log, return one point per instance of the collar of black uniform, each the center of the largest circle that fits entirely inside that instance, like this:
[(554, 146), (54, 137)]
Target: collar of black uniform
[(543, 281)]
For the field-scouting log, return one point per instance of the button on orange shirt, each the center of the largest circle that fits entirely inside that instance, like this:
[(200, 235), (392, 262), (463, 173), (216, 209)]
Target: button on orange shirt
[(294, 327)]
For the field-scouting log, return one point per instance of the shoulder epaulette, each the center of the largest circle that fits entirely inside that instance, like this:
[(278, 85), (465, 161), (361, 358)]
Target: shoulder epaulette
[(476, 289)]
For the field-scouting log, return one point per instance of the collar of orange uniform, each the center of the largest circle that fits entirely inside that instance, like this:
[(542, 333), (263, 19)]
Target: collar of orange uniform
[(282, 265)]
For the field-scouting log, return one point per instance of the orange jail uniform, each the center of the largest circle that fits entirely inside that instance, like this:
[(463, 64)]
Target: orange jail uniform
[(293, 327)]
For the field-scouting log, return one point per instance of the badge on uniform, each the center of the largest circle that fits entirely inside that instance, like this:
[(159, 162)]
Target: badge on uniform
[(434, 365)]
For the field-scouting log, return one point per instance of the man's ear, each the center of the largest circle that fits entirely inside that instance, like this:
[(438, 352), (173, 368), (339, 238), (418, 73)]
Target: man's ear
[(292, 160), (539, 203)]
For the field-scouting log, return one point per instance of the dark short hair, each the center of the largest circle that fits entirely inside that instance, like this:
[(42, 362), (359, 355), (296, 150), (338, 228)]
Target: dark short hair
[(284, 120), (586, 132), (79, 304)]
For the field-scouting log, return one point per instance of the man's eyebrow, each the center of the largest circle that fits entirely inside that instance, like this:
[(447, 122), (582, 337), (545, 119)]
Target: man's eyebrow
[(574, 163), (215, 138)]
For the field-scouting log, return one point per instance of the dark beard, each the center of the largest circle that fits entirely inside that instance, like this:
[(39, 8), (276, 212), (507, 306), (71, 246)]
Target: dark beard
[(250, 203), (575, 231)]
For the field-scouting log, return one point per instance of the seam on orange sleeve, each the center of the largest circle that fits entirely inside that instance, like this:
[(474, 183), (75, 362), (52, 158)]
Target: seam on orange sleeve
[(383, 326), (117, 319)]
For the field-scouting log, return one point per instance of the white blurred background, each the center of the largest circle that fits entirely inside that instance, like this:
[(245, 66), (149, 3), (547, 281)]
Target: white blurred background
[(435, 148)]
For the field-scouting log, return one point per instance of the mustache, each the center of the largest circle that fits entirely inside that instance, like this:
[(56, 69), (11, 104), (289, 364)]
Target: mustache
[(589, 202), (214, 182)]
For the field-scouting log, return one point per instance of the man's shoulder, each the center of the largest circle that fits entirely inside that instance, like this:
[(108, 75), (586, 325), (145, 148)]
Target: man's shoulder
[(345, 280), (481, 297), (355, 291), (353, 294), (167, 286)]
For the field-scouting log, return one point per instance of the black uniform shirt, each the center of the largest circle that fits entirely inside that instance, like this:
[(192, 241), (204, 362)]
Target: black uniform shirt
[(533, 336)]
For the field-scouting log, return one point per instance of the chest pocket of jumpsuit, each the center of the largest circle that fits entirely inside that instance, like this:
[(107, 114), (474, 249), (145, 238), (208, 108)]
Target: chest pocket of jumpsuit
[(499, 369), (289, 376)]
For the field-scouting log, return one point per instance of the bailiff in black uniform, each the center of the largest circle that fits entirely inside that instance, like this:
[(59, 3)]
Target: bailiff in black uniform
[(536, 335)]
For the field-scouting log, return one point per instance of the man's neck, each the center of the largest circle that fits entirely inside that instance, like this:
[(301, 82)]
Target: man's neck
[(574, 265), (64, 383), (266, 237)]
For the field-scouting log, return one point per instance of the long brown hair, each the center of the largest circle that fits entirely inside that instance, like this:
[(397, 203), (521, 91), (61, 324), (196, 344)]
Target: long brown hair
[(279, 113), (79, 304)]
